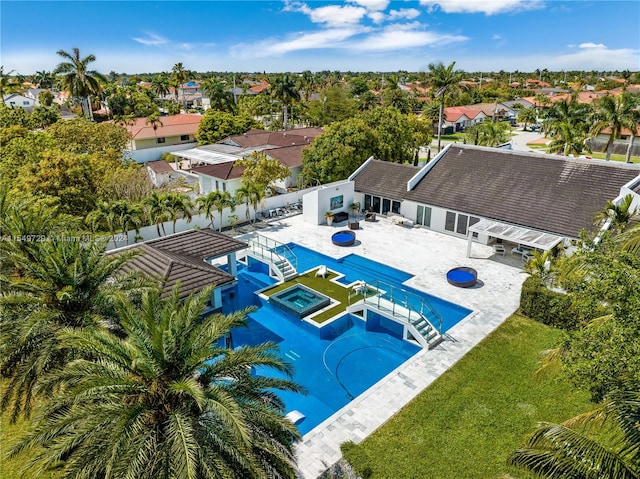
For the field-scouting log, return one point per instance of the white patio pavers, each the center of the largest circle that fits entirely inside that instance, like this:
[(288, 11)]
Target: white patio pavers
[(428, 256)]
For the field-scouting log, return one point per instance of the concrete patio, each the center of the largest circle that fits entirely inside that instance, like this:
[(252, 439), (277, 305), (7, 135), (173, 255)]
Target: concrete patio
[(428, 256)]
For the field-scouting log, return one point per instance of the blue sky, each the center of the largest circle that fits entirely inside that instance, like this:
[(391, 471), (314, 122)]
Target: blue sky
[(357, 35)]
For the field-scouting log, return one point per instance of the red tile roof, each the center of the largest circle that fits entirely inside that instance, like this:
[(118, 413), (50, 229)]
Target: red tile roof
[(172, 125), (454, 113), (264, 85)]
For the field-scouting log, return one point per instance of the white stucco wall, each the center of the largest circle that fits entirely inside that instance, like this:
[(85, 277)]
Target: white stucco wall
[(317, 203), (153, 154)]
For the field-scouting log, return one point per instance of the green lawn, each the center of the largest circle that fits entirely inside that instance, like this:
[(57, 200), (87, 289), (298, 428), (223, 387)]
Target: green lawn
[(468, 421), (598, 155), (322, 285)]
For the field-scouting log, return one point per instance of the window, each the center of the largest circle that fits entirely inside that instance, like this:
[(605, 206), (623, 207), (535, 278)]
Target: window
[(472, 221), (160, 140), (423, 216), (25, 103), (184, 137), (395, 207), (461, 227), (450, 221)]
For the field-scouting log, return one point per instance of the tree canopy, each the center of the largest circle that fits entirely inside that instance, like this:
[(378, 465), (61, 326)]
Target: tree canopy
[(217, 125)]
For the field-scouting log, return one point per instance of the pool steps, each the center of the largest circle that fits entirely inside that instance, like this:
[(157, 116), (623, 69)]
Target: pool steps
[(282, 261)]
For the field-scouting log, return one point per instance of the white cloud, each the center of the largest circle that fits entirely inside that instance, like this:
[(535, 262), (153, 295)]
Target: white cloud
[(408, 13), (372, 5), (488, 7), (398, 37), (151, 40), (377, 17), (496, 37), (596, 56), (329, 38), (330, 15)]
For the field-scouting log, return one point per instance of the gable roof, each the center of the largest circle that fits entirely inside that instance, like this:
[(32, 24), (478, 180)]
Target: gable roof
[(454, 113), (160, 166), (181, 258), (252, 138), (546, 192), (224, 171)]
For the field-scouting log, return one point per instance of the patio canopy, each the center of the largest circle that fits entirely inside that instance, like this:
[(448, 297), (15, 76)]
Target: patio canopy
[(515, 234)]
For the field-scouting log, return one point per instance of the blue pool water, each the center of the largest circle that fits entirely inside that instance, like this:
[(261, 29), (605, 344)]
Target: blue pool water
[(343, 359)]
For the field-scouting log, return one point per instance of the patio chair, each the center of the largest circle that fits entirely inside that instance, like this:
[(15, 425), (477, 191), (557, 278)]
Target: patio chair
[(499, 249), (322, 271)]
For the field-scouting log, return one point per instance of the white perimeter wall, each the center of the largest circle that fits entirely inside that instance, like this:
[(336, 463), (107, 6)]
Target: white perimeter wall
[(153, 154)]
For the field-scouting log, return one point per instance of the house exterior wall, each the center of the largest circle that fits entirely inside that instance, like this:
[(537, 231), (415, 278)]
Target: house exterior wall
[(146, 143), (209, 183), (153, 154)]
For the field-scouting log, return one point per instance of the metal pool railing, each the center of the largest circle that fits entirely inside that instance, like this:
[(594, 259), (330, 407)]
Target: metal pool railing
[(273, 251), (399, 302)]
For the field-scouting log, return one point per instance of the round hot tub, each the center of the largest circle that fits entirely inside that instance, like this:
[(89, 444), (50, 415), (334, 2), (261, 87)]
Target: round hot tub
[(463, 276), (343, 238)]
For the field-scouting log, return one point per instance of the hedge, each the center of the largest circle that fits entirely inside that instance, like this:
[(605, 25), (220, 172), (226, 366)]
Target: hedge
[(548, 307)]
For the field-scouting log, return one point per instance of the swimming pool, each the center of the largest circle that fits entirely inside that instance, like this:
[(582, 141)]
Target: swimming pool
[(340, 361)]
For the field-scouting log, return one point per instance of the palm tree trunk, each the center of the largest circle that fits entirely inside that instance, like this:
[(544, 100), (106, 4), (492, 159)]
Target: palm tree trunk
[(284, 116), (89, 109), (630, 148), (174, 226), (609, 148), (158, 229)]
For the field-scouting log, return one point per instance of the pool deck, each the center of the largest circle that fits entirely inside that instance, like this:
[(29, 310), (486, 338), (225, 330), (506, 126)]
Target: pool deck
[(428, 256)]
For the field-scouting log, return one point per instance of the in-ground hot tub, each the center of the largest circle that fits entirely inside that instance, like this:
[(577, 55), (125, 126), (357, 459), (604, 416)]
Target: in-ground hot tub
[(463, 276), (299, 301), (343, 238)]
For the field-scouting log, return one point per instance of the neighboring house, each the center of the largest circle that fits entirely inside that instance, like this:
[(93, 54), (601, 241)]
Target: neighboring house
[(187, 258), (15, 99), (160, 172), (172, 133), (465, 184), (215, 164), (460, 117)]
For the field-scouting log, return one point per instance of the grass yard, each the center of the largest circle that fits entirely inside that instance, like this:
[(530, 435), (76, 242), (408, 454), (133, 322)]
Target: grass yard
[(469, 420)]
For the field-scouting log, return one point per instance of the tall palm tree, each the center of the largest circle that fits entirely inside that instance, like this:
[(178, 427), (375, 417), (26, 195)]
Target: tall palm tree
[(614, 113), (566, 451), (178, 205), (166, 401), (43, 79), (78, 80), (283, 89), (442, 79), (221, 202), (242, 195), (256, 194), (207, 205), (103, 219), (156, 210), (128, 217), (180, 76), (65, 282), (527, 115)]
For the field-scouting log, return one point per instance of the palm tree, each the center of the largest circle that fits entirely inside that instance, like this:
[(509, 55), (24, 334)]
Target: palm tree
[(180, 76), (565, 451), (527, 115), (442, 79), (615, 113), (7, 84), (618, 214), (154, 121), (283, 89), (78, 80), (156, 210), (177, 205), (166, 401), (128, 217), (219, 97), (160, 84), (43, 79), (207, 205), (222, 201), (65, 282), (243, 195), (103, 218), (256, 194)]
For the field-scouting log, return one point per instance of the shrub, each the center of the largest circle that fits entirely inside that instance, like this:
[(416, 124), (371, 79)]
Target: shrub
[(546, 306)]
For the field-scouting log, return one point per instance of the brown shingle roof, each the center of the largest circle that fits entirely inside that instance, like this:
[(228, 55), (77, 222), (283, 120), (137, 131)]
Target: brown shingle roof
[(550, 193), (180, 258), (289, 156), (385, 179), (252, 138), (160, 166), (224, 171)]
